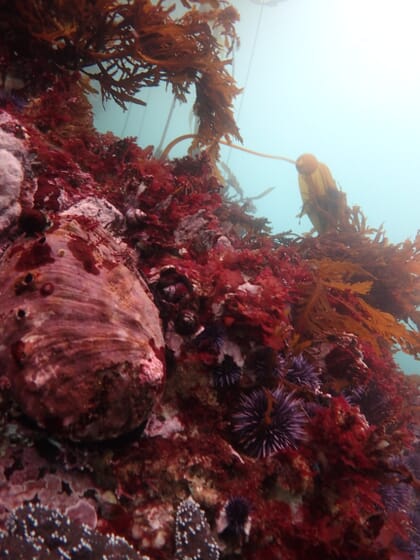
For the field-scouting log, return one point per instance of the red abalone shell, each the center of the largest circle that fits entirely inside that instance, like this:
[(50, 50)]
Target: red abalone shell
[(80, 337)]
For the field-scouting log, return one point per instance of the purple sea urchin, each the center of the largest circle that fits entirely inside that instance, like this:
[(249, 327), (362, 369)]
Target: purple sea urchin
[(210, 339), (234, 521), (267, 422), (397, 496), (302, 372), (227, 373), (374, 403), (268, 365)]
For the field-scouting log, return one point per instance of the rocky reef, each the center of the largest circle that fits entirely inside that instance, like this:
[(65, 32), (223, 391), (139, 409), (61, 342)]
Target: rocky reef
[(174, 373)]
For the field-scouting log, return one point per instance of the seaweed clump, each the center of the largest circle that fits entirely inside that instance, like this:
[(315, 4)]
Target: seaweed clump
[(124, 47)]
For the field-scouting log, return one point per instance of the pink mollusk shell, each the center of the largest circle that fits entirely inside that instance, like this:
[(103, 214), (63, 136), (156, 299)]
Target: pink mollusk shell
[(84, 359)]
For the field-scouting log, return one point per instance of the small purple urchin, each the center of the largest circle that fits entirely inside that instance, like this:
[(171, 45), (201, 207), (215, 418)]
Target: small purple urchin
[(268, 421), (227, 373), (234, 521), (302, 372)]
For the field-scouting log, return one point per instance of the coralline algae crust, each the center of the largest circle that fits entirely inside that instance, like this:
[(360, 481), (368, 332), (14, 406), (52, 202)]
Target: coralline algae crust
[(11, 177)]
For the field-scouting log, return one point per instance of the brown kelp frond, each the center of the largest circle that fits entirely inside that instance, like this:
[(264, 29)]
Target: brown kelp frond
[(165, 153), (393, 269), (130, 44), (335, 300), (213, 95), (342, 274)]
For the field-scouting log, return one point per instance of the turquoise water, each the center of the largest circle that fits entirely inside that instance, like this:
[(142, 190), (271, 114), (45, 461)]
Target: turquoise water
[(339, 79)]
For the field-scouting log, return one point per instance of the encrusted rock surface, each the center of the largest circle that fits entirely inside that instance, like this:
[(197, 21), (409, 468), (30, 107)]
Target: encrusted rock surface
[(11, 178), (39, 533), (285, 430)]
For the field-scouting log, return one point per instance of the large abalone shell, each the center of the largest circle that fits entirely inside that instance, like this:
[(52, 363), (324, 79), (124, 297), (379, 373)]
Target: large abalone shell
[(80, 337)]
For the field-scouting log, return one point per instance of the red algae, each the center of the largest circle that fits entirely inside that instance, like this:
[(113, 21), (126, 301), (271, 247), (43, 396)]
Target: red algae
[(37, 254), (117, 270), (83, 252)]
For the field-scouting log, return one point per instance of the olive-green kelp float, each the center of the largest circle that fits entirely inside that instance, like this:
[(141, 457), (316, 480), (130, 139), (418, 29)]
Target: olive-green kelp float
[(81, 340)]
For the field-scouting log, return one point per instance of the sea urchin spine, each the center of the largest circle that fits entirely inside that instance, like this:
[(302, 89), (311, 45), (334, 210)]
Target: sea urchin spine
[(234, 521), (303, 373), (268, 421)]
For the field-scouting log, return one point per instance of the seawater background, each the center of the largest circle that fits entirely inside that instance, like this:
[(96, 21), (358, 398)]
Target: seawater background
[(336, 78)]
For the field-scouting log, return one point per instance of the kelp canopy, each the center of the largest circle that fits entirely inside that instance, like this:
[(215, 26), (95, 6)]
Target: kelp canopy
[(126, 45)]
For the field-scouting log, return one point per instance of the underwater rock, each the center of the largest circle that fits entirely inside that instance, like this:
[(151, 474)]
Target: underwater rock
[(38, 532), (11, 178), (193, 539), (80, 337), (98, 209)]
